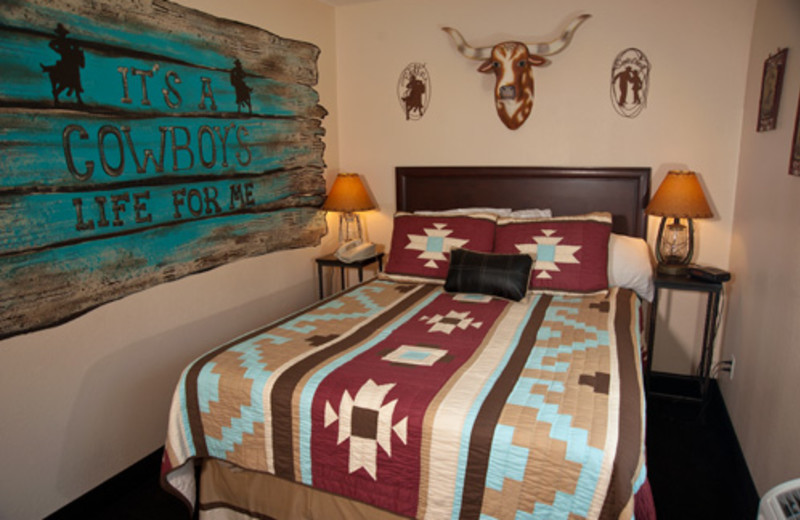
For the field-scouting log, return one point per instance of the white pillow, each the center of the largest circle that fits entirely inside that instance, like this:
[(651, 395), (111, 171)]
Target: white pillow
[(630, 265), (500, 212), (532, 213)]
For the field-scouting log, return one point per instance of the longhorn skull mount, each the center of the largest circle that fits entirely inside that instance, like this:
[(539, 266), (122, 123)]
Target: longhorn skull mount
[(511, 62)]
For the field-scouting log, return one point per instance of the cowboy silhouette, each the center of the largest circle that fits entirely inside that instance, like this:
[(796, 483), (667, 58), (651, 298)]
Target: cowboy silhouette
[(413, 98), (636, 86), (65, 74), (625, 77), (242, 90)]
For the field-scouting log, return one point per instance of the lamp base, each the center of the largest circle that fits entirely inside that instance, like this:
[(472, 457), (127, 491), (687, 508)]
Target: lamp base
[(673, 269), (349, 227)]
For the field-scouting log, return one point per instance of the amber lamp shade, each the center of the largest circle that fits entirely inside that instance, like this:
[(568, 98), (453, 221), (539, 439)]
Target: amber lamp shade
[(347, 196), (680, 196)]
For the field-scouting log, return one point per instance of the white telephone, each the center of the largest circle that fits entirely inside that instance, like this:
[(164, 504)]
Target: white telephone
[(355, 250)]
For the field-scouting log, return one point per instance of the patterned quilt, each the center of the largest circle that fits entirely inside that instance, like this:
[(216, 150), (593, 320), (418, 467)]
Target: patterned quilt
[(429, 404)]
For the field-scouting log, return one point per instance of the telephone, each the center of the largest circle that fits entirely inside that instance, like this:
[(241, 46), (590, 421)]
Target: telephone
[(709, 274), (355, 250)]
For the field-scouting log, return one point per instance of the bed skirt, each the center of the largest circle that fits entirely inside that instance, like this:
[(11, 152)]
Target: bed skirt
[(230, 493)]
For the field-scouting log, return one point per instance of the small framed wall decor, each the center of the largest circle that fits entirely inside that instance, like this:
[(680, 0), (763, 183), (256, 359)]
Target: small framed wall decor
[(794, 161), (771, 82), (630, 82), (414, 91)]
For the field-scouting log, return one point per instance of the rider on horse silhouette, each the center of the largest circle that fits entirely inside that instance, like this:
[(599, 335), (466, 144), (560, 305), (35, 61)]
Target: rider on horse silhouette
[(65, 73)]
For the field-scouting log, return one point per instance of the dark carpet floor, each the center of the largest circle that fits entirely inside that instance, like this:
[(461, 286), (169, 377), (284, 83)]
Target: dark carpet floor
[(695, 467), (695, 464)]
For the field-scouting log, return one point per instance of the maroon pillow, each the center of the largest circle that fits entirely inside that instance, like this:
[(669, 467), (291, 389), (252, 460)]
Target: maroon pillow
[(421, 244), (571, 252)]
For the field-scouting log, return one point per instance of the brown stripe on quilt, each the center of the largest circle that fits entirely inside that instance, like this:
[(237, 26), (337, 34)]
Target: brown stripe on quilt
[(282, 392), (426, 453), (620, 488), (192, 400), (483, 429)]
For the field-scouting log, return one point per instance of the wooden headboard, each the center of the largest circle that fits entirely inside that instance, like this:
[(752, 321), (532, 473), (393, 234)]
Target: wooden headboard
[(566, 191)]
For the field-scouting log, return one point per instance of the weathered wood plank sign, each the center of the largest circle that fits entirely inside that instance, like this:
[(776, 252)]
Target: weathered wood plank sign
[(142, 141)]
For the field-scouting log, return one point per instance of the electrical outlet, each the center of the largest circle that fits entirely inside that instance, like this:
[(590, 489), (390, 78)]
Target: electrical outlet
[(733, 365)]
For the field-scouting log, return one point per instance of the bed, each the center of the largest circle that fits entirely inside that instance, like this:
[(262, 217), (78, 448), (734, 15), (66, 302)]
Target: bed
[(492, 371)]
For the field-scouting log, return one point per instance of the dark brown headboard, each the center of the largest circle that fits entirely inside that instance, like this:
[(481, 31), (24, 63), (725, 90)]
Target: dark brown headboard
[(567, 191)]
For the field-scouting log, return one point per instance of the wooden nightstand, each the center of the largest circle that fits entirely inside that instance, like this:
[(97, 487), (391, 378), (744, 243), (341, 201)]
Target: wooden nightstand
[(330, 260), (686, 283)]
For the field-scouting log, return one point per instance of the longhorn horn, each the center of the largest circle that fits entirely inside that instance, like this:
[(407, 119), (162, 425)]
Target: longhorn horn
[(464, 48), (560, 43)]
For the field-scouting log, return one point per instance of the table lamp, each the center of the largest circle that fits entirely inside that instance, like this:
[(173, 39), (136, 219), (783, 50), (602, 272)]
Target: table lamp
[(347, 196), (679, 196)]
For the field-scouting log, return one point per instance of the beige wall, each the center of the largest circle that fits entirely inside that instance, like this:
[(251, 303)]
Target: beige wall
[(763, 331), (84, 400), (698, 52)]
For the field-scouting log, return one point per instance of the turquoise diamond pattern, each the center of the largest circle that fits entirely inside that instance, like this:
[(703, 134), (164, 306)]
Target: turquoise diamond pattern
[(510, 463), (209, 391), (546, 253), (333, 304), (303, 323), (435, 244), (275, 340), (257, 371), (507, 460), (248, 415), (594, 338), (525, 386), (415, 356)]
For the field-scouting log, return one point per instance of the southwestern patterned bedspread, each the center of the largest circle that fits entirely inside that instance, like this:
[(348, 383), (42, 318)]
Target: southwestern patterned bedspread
[(430, 404)]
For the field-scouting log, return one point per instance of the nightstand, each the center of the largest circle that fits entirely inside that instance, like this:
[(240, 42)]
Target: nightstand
[(330, 260), (686, 283)]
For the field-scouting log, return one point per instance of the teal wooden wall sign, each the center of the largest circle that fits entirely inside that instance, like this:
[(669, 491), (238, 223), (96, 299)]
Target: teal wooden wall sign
[(141, 142)]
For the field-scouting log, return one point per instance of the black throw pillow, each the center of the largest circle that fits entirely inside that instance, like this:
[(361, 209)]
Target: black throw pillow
[(505, 276)]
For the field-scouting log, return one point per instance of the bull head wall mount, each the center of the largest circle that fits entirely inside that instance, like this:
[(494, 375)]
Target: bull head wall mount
[(511, 63)]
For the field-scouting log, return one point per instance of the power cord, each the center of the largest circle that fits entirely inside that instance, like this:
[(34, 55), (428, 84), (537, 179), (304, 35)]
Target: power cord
[(721, 366)]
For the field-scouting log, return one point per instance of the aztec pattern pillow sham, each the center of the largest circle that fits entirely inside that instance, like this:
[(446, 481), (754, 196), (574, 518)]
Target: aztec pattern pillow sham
[(571, 252), (421, 244)]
